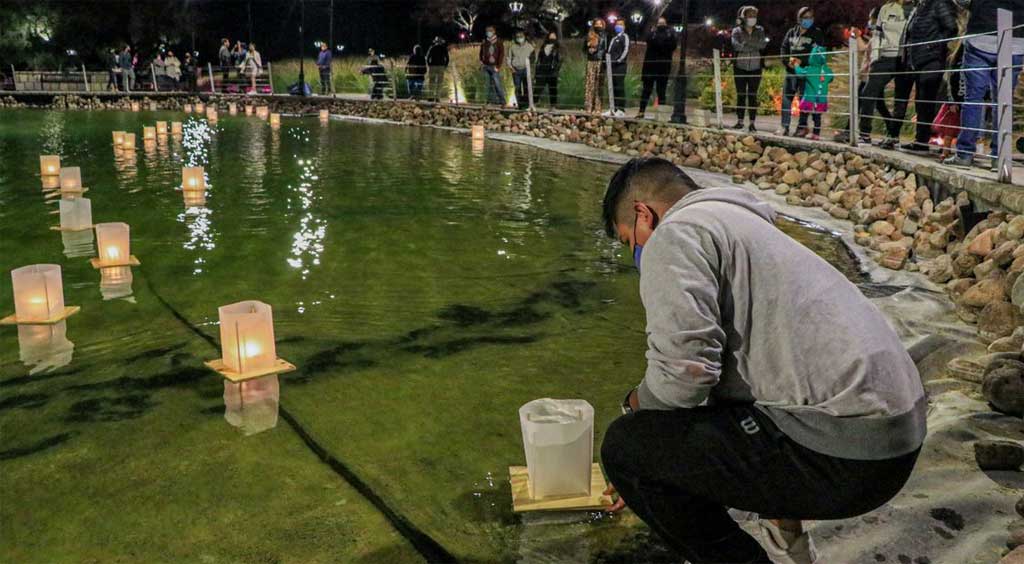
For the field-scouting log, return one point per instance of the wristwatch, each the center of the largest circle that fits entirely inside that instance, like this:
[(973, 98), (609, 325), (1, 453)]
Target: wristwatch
[(626, 408)]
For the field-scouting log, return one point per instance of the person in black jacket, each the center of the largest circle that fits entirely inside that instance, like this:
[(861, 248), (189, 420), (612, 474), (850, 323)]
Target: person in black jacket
[(437, 66), (924, 54), (798, 42), (549, 62), (618, 52), (657, 63), (415, 72)]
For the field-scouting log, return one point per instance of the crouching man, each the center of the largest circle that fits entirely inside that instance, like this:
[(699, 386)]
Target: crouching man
[(772, 386)]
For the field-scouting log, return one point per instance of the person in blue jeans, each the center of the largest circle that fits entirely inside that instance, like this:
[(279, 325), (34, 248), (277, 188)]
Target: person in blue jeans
[(980, 53), (492, 55)]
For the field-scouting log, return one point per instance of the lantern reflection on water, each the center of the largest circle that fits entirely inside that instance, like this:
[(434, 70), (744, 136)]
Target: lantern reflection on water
[(148, 133), (44, 348), (176, 128), (478, 132), (116, 282), (252, 405), (129, 142), (275, 120), (78, 243), (232, 108), (161, 128), (51, 182), (118, 138), (49, 165)]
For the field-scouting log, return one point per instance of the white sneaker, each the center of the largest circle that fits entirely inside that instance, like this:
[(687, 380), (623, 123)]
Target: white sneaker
[(620, 113), (783, 547), (607, 113)]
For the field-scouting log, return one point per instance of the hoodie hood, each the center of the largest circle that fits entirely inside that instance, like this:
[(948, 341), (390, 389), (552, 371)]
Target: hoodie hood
[(817, 57), (735, 196)]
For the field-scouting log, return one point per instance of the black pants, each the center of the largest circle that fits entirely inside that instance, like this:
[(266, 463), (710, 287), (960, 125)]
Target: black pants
[(747, 85), (619, 85), (550, 82), (112, 80), (680, 470), (655, 79), (802, 122), (325, 81), (926, 87), (874, 92)]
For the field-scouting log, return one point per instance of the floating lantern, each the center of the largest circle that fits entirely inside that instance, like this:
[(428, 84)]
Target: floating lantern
[(136, 106), (51, 182), (49, 165), (75, 215), (71, 179), (249, 110), (118, 138), (200, 107), (478, 132), (211, 116), (116, 282), (129, 142), (558, 439), (45, 347), (232, 108), (252, 405), (176, 128), (325, 115), (152, 106), (247, 342), (113, 244), (275, 120), (161, 128), (192, 178), (263, 112), (187, 108), (148, 134), (38, 295)]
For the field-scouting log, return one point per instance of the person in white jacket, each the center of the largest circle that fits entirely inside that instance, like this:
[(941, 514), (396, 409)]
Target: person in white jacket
[(252, 65)]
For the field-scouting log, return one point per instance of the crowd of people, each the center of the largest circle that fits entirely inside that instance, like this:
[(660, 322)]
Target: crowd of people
[(168, 72)]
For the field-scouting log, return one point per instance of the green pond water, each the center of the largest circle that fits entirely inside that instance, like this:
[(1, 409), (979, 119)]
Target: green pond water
[(424, 288)]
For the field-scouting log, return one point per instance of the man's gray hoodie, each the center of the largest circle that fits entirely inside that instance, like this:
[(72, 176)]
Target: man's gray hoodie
[(739, 312)]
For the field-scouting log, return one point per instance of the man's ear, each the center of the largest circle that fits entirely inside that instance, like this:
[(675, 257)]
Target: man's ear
[(643, 214)]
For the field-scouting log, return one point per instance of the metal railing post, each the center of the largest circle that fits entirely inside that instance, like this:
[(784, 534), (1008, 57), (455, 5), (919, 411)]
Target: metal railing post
[(85, 78), (270, 77), (213, 83), (609, 80), (14, 77), (152, 74), (394, 82), (529, 86), (1004, 98), (718, 88), (854, 93), (455, 86)]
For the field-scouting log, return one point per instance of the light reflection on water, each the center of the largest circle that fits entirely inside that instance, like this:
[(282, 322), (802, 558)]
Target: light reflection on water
[(45, 348)]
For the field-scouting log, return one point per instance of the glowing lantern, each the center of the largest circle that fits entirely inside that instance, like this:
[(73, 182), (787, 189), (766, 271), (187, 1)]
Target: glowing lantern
[(116, 282), (71, 179), (129, 142), (51, 182), (38, 293), (478, 132), (187, 108), (263, 112), (113, 244), (478, 147), (252, 405), (118, 138), (194, 198), (247, 337), (249, 110), (76, 214), (200, 107), (49, 165), (136, 106), (232, 108), (148, 134), (275, 120), (325, 115), (161, 128), (192, 178), (176, 128), (45, 347), (211, 113), (152, 106)]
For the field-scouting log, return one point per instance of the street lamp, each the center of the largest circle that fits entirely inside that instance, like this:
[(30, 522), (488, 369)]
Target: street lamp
[(709, 22), (612, 18), (636, 18), (516, 8), (679, 104), (302, 41)]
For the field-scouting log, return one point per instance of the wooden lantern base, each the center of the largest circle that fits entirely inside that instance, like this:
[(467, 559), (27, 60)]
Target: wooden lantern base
[(280, 367), (68, 312), (98, 264), (69, 230), (519, 478)]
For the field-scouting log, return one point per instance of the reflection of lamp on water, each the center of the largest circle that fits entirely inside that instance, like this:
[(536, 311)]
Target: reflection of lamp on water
[(176, 128), (232, 108), (194, 198), (49, 165), (325, 115), (152, 106), (148, 133), (247, 342), (38, 295), (478, 132), (76, 214), (51, 182), (116, 282), (113, 246), (275, 120), (129, 142), (249, 109), (118, 138), (77, 243), (263, 112), (252, 405), (45, 347), (211, 114), (187, 108), (478, 147), (161, 128)]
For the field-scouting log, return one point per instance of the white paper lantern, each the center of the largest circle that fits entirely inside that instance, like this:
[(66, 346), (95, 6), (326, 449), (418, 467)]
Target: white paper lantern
[(38, 292), (161, 128), (175, 128), (193, 178), (479, 132), (558, 439), (247, 336), (275, 120), (49, 165), (325, 115), (76, 214), (113, 243), (118, 138), (148, 133), (71, 178), (232, 108), (129, 142)]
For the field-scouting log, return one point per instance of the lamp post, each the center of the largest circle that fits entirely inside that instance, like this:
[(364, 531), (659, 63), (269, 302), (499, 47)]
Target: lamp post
[(516, 8), (679, 107), (302, 41), (637, 18)]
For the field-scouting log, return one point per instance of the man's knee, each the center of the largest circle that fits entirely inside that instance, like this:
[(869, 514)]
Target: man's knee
[(615, 448)]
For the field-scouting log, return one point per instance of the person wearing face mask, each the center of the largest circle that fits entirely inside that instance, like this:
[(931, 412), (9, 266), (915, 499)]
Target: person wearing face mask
[(770, 385), (518, 58), (657, 64), (798, 42), (492, 55), (618, 52), (549, 63), (748, 40), (888, 67), (594, 48)]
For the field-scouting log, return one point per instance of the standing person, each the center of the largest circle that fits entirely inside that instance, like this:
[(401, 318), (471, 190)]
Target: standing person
[(924, 54), (980, 75), (173, 66), (549, 63), (594, 47), (798, 42), (253, 66), (748, 40), (237, 56), (323, 64), (437, 66), (416, 72), (224, 57), (781, 392), (618, 52), (113, 71), (492, 54), (891, 24), (661, 44), (519, 57), (127, 68), (378, 75), (817, 76), (189, 72)]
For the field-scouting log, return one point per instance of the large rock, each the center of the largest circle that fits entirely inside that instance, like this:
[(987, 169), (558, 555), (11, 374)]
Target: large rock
[(965, 369), (939, 270), (963, 264), (991, 289), (997, 320), (1003, 387), (982, 245), (883, 228), (998, 454), (1016, 556), (1017, 293), (1016, 534)]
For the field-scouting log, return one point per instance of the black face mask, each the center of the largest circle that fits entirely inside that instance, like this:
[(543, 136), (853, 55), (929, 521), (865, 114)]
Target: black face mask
[(662, 26)]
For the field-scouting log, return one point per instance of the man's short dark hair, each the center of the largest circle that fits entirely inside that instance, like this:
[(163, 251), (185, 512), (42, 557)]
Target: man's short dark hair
[(652, 179)]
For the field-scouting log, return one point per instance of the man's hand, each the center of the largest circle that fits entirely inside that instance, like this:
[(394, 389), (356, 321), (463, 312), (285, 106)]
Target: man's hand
[(634, 400), (618, 505)]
